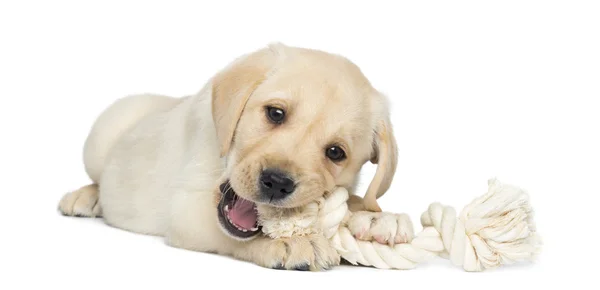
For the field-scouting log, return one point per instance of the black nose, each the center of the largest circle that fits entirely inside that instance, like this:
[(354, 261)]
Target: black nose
[(275, 185)]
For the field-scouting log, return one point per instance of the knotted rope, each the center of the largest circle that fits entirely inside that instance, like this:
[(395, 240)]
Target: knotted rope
[(494, 229)]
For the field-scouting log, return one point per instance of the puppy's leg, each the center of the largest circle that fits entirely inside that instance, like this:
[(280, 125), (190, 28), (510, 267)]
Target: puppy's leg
[(194, 226), (81, 203), (355, 203), (304, 253)]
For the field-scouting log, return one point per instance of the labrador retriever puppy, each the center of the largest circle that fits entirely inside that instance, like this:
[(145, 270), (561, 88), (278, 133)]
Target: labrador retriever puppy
[(272, 131)]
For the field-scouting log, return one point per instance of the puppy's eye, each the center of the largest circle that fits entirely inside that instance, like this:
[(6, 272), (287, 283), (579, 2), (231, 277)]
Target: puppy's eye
[(275, 115), (335, 153)]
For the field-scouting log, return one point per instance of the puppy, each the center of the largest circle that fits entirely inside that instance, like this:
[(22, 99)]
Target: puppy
[(272, 131)]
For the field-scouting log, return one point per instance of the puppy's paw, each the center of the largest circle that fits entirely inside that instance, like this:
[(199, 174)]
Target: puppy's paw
[(303, 253), (81, 203), (383, 227)]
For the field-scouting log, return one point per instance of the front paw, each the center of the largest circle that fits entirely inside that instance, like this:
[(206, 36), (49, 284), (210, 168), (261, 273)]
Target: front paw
[(383, 227), (303, 253)]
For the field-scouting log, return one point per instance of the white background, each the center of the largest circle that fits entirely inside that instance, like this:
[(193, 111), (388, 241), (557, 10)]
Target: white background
[(479, 89)]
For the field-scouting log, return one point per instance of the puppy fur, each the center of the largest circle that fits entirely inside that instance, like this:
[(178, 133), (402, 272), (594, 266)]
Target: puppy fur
[(156, 162)]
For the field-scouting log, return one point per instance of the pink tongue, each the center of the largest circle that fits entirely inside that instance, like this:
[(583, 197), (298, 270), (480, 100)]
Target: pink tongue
[(243, 214)]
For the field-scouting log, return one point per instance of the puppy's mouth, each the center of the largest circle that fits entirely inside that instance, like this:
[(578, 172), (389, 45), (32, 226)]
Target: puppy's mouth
[(238, 216)]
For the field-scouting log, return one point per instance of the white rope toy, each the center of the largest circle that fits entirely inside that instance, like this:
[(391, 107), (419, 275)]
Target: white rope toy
[(493, 230)]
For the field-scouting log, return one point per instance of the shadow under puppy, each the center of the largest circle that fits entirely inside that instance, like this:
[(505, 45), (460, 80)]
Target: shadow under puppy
[(274, 130)]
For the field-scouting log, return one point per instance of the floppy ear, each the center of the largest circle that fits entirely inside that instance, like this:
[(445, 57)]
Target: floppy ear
[(386, 157), (233, 86)]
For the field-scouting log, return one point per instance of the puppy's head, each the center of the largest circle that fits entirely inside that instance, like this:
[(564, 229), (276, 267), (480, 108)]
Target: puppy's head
[(294, 123)]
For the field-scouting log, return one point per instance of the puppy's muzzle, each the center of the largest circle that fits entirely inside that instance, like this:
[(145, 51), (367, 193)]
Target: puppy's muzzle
[(276, 185)]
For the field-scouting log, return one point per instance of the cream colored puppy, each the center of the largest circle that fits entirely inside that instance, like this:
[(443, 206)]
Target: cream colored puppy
[(272, 131)]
